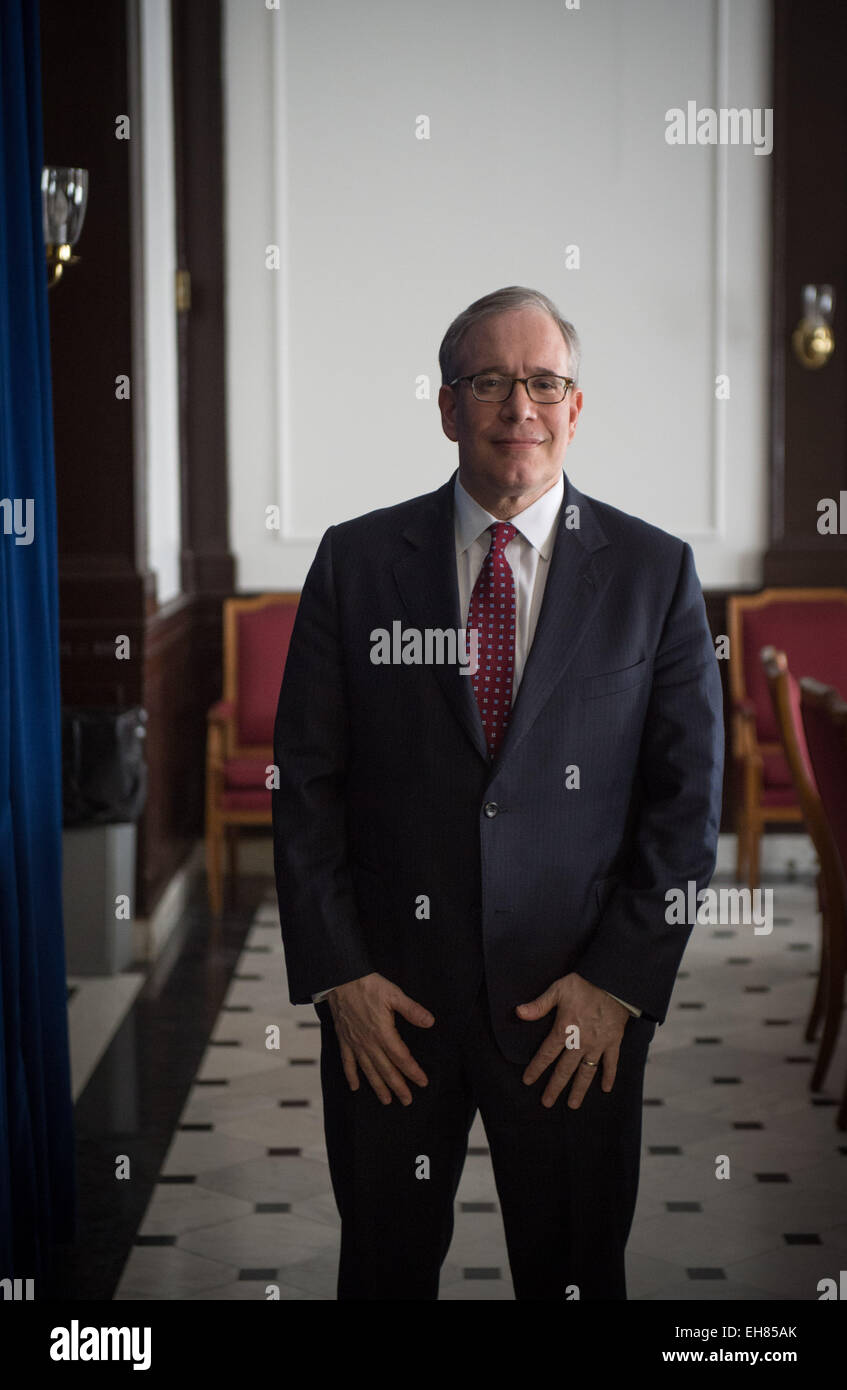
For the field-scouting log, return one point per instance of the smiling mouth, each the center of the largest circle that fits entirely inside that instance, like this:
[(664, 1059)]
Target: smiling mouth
[(520, 443)]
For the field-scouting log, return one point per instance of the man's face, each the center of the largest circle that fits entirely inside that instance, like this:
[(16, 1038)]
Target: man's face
[(515, 448)]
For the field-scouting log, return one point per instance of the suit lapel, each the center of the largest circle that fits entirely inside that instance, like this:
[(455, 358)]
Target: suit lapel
[(428, 586), (578, 575)]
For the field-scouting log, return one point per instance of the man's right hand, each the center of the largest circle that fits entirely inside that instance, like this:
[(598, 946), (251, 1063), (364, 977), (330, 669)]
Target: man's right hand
[(363, 1013)]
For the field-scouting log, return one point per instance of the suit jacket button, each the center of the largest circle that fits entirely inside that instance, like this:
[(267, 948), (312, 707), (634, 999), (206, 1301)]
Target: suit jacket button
[(491, 808)]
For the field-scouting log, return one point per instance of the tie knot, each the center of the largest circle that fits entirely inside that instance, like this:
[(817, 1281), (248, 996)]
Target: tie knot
[(501, 533)]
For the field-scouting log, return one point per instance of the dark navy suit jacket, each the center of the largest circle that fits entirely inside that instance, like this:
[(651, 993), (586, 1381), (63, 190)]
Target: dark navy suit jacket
[(400, 848)]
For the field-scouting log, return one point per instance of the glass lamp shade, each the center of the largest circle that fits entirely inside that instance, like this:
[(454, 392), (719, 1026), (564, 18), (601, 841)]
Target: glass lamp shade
[(64, 196)]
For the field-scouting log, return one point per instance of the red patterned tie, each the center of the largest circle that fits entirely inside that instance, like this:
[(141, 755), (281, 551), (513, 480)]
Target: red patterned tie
[(492, 613)]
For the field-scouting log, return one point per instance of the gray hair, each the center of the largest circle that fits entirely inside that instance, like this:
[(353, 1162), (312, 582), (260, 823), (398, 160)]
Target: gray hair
[(513, 297)]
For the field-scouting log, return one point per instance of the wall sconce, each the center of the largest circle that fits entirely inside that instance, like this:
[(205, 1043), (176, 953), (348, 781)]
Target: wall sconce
[(813, 339), (64, 197)]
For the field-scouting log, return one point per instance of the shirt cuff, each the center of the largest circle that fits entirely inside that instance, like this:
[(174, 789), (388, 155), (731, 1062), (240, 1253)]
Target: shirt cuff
[(316, 998), (631, 1007)]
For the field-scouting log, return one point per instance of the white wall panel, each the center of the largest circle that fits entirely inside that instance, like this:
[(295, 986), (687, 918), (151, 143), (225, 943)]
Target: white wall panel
[(547, 129), (161, 405)]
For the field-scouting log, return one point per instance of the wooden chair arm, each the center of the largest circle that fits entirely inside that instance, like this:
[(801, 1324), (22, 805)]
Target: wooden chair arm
[(223, 712), (745, 707), (218, 720), (744, 740)]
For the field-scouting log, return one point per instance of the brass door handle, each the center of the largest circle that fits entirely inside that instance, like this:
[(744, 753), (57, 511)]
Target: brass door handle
[(813, 339)]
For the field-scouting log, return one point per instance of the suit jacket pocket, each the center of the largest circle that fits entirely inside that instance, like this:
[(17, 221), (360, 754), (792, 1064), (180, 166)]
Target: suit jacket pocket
[(603, 890), (610, 682)]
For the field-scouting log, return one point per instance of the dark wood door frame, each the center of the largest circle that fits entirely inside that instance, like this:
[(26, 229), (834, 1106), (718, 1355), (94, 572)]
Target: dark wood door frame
[(808, 449)]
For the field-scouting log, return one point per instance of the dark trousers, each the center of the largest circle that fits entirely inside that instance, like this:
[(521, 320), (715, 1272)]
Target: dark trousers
[(567, 1179)]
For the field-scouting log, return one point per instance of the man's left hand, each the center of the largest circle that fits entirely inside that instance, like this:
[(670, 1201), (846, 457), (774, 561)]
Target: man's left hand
[(601, 1021)]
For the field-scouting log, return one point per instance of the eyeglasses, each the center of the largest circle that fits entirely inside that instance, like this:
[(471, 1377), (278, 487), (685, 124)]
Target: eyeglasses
[(543, 389)]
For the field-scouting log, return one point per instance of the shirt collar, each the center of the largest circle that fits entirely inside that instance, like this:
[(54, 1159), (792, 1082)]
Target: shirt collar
[(537, 523)]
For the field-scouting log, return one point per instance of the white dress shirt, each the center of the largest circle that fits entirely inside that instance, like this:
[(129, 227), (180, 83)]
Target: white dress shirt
[(528, 553)]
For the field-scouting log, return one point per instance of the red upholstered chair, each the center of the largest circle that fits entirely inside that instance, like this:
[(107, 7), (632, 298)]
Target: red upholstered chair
[(827, 1004), (825, 724), (239, 747), (810, 626)]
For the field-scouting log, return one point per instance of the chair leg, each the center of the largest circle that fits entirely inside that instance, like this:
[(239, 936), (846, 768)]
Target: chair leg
[(741, 848), (833, 997), (839, 965), (232, 847), (816, 1012), (753, 847), (830, 1029), (214, 875)]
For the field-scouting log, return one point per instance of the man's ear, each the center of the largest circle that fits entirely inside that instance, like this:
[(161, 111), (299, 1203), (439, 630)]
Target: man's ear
[(575, 404), (447, 405)]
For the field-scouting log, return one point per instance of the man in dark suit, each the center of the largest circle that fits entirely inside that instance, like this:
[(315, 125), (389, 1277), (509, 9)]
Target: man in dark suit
[(472, 864)]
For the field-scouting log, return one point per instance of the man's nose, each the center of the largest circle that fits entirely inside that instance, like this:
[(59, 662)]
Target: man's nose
[(519, 404)]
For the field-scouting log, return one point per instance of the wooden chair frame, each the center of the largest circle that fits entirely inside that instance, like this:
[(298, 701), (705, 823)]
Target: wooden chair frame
[(835, 887), (221, 744), (827, 1002), (747, 751)]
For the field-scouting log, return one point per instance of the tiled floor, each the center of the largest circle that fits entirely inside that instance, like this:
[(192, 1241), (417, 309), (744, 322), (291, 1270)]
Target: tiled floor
[(243, 1199)]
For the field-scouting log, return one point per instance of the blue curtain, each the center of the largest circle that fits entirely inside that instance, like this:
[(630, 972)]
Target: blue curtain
[(37, 1184)]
